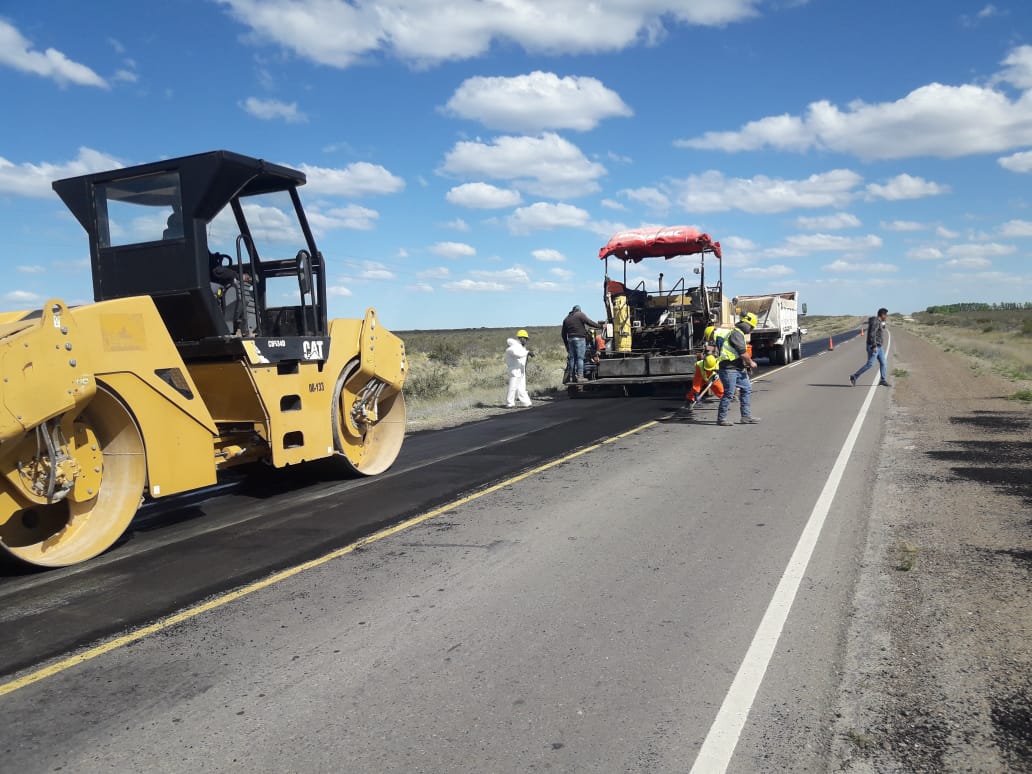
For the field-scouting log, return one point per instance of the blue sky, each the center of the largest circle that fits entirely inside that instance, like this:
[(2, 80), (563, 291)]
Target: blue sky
[(466, 161)]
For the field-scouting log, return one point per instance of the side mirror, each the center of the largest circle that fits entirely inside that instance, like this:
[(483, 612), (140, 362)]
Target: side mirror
[(304, 272), (804, 308)]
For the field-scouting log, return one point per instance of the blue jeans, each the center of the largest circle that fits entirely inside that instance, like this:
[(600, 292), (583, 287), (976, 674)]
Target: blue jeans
[(575, 355), (877, 353), (731, 378)]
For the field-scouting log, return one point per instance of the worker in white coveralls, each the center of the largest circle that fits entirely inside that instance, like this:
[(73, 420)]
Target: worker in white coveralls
[(516, 362)]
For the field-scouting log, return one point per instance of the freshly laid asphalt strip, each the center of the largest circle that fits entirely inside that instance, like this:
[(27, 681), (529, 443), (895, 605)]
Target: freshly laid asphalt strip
[(283, 520), (179, 552)]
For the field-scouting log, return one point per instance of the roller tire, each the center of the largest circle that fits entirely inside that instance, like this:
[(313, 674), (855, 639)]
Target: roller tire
[(365, 451), (69, 532)]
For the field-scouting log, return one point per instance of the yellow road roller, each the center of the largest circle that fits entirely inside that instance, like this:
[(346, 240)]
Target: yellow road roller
[(207, 346)]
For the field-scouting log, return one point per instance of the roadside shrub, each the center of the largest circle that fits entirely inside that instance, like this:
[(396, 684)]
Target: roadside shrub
[(445, 352), (490, 379), (433, 383), (1026, 327)]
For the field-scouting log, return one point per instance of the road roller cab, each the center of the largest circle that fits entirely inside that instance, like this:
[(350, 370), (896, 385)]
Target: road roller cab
[(160, 229)]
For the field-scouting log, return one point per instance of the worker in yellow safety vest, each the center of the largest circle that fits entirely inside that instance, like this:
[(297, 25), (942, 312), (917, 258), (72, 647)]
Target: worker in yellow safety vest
[(733, 362)]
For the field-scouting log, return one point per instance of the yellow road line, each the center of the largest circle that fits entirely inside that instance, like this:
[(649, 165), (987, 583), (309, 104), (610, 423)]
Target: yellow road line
[(204, 607)]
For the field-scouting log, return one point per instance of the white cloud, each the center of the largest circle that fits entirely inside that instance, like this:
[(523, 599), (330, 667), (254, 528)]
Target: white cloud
[(652, 198), (473, 286), (737, 243), (612, 204), (339, 291), (967, 263), (804, 244), (269, 109), (22, 297), (32, 269), (926, 253), (17, 52), (933, 120), (483, 196), (777, 270), (125, 76), (903, 225), (514, 275), (458, 225), (542, 216), (859, 266), (548, 255), (548, 165), (1016, 228), (546, 285), (561, 273), (713, 192), (438, 272), (357, 179), (905, 187), (353, 216), (371, 270), (994, 249), (426, 33), (453, 250), (537, 101), (1018, 162), (35, 179), (831, 222), (421, 287), (1017, 69)]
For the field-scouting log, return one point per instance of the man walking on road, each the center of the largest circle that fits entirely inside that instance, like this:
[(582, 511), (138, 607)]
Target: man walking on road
[(875, 347), (734, 359), (575, 334), (516, 363)]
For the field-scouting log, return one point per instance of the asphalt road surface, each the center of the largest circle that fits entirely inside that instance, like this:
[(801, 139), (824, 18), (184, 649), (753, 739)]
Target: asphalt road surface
[(590, 585)]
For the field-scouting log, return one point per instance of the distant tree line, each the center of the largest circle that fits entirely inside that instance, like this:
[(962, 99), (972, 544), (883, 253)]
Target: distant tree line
[(977, 306)]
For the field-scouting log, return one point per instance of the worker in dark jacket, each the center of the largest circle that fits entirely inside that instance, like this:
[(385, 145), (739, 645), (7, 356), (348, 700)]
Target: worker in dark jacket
[(575, 334), (733, 361), (875, 347)]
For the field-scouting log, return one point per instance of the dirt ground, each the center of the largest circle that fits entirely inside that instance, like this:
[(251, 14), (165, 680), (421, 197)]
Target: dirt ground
[(938, 676)]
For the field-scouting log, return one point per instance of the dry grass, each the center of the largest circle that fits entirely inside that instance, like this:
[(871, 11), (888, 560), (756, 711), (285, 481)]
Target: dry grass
[(818, 326), (997, 341), (459, 375)]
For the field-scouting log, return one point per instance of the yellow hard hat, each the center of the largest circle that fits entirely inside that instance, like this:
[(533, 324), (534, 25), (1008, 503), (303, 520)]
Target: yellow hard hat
[(709, 331), (522, 334), (710, 363), (750, 318)]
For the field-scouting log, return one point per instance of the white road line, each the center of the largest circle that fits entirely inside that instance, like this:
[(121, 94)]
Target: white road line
[(719, 745)]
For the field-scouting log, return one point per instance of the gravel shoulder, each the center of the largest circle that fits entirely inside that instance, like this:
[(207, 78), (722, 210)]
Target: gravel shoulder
[(938, 672)]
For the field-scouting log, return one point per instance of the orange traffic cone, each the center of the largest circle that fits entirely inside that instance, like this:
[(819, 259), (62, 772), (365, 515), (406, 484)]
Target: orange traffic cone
[(831, 343)]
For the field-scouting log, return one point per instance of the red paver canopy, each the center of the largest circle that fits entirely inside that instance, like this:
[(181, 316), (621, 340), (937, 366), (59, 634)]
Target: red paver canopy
[(638, 243)]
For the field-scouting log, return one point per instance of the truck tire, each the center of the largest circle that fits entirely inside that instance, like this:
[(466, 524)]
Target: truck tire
[(797, 348)]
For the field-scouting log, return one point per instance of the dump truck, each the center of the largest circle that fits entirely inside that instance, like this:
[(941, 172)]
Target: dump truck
[(191, 360), (777, 335), (655, 330)]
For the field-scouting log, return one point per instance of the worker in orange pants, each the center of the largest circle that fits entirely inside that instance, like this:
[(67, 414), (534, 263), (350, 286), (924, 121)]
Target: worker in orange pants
[(705, 374)]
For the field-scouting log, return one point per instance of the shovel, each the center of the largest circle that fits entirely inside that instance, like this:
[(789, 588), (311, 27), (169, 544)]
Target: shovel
[(689, 408)]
